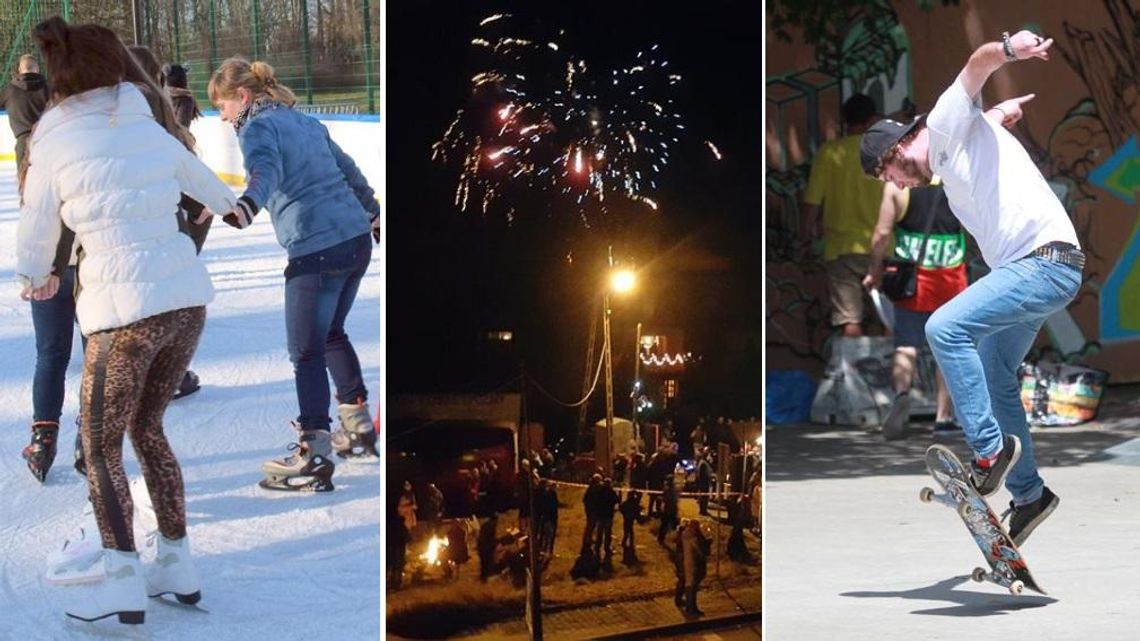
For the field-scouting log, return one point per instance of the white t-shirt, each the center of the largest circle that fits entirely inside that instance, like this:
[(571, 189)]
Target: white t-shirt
[(993, 186)]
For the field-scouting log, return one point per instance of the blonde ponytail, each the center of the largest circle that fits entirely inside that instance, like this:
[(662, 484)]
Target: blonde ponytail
[(257, 77)]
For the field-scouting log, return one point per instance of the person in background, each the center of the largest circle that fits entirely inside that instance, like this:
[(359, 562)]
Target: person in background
[(911, 215), (694, 550), (630, 512), (669, 509), (406, 508), (25, 99), (849, 202), (188, 208), (53, 319)]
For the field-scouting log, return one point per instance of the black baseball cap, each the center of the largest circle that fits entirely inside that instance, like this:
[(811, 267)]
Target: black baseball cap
[(880, 138)]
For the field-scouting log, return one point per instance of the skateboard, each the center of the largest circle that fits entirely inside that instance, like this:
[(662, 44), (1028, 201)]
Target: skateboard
[(1007, 566)]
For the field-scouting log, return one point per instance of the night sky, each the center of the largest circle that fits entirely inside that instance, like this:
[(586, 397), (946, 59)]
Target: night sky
[(454, 275)]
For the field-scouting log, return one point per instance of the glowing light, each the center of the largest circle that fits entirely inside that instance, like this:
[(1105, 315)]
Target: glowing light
[(435, 546), (622, 281), (712, 147), (494, 155), (663, 360), (615, 129)]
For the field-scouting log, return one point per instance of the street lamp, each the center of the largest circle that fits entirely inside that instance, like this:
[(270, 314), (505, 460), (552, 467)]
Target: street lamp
[(621, 281)]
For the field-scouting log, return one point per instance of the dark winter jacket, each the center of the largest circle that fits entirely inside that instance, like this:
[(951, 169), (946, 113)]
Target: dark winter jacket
[(185, 107), (25, 99)]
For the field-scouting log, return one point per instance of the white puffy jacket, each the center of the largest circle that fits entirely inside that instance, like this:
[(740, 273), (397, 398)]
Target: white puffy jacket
[(101, 164)]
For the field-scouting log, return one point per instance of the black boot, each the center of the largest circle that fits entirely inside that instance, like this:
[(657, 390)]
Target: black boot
[(188, 385), (40, 453), (691, 601)]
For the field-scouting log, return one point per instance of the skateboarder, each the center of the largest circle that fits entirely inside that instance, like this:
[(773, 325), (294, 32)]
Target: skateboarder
[(980, 336)]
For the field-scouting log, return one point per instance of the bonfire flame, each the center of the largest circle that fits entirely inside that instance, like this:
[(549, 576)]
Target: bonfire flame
[(432, 555)]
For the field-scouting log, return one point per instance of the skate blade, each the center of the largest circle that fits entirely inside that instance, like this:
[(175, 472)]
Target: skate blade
[(132, 617), (362, 457), (185, 599), (297, 484), (38, 470), (183, 394)]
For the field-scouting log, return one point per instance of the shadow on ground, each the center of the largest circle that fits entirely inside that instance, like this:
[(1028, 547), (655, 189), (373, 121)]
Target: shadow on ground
[(808, 451), (966, 603)]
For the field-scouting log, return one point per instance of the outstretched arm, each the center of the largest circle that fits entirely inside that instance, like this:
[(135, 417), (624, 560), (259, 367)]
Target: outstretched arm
[(989, 57), (1007, 112)]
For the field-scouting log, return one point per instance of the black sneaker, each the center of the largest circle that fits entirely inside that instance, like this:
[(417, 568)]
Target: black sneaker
[(988, 480), (947, 428), (894, 425), (1024, 518)]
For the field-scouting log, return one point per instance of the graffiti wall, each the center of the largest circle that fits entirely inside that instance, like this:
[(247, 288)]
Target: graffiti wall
[(1081, 128)]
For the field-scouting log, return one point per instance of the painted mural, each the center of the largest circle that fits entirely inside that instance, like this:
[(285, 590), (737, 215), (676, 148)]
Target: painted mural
[(1081, 129)]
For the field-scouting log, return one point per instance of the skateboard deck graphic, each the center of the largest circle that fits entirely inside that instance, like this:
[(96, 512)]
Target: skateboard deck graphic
[(1007, 566)]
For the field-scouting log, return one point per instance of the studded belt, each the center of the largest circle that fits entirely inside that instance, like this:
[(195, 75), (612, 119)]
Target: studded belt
[(1060, 252)]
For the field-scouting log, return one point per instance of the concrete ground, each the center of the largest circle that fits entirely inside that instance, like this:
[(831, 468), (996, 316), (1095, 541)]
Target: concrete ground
[(853, 554), (726, 602)]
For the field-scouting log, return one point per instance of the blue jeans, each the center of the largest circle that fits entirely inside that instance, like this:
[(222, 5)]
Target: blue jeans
[(53, 321), (319, 290), (979, 339)]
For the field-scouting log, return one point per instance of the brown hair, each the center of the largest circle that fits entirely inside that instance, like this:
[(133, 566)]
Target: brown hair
[(139, 60), (79, 58), (257, 77), (145, 57)]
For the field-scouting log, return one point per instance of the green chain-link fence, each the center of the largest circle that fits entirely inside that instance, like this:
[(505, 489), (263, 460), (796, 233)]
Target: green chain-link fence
[(327, 51)]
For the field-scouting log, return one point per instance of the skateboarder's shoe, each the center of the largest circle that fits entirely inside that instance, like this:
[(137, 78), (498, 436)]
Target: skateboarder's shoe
[(946, 429), (987, 476), (894, 425), (1024, 518)]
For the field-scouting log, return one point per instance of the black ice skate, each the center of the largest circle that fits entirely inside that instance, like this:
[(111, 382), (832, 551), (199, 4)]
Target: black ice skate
[(80, 462), (356, 437), (40, 453), (307, 469), (187, 386)]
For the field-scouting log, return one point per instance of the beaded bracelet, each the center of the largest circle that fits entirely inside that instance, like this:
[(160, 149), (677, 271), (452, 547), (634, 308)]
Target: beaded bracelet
[(1007, 47)]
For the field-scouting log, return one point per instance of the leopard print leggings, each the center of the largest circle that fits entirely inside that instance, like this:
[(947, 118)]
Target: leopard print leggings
[(129, 376)]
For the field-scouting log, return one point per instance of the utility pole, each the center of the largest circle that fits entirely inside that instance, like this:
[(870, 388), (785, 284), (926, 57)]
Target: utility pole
[(137, 15)]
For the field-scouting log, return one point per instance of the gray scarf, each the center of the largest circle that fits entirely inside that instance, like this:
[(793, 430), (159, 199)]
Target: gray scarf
[(252, 109)]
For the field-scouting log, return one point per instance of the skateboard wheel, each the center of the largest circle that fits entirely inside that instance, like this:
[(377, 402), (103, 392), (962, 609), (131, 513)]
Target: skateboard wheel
[(978, 575), (926, 495), (963, 509), (1016, 587)]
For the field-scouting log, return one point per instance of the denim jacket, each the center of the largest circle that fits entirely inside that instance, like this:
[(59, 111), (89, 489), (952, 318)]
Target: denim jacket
[(315, 194)]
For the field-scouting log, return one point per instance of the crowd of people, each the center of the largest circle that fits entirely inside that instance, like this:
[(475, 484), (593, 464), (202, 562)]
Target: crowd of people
[(647, 499), (115, 208)]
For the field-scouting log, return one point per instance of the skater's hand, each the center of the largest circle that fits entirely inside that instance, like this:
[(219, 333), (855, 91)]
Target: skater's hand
[(241, 216), (376, 229), (1027, 44), (48, 290), (1011, 111)]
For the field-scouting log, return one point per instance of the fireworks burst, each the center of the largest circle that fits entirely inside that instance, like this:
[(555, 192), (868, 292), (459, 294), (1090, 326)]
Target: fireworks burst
[(539, 120)]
